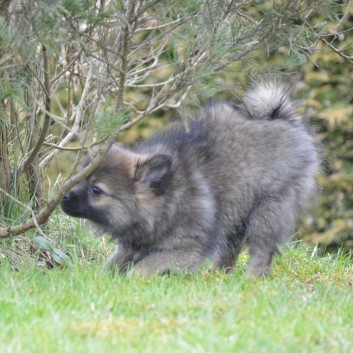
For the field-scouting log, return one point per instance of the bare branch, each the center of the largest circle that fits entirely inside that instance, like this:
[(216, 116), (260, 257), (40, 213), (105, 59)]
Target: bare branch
[(83, 148), (337, 51), (25, 207), (45, 128), (79, 116)]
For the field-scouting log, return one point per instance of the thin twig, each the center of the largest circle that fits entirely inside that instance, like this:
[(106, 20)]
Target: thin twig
[(66, 68), (337, 51), (178, 21), (73, 149)]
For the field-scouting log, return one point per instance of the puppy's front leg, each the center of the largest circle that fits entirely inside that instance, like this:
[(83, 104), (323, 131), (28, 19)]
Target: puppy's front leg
[(163, 262), (120, 261)]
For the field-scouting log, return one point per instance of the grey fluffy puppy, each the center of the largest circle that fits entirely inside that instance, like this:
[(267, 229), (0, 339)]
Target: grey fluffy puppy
[(241, 174)]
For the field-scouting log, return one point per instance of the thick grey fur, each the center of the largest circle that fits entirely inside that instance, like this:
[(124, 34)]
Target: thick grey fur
[(241, 174)]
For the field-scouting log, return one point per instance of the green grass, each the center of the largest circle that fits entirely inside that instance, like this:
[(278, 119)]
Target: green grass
[(306, 305)]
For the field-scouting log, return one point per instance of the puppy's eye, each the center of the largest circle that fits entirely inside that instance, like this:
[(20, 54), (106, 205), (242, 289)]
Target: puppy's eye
[(96, 190)]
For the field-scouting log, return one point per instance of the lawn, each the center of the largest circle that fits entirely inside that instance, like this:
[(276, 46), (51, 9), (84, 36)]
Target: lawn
[(306, 305)]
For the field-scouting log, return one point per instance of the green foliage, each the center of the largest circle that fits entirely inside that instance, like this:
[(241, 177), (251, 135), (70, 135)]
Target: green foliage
[(59, 257), (108, 121), (9, 89), (332, 222), (329, 103), (77, 7), (5, 36), (68, 243)]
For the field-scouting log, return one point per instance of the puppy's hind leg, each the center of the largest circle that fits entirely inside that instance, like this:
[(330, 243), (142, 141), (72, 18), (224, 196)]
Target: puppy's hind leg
[(227, 254), (270, 223)]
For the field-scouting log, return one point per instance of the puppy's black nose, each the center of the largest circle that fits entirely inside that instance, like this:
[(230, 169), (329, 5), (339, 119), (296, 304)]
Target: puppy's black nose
[(70, 196), (70, 202)]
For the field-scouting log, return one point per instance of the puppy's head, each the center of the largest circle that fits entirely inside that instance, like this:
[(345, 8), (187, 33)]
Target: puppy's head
[(127, 188)]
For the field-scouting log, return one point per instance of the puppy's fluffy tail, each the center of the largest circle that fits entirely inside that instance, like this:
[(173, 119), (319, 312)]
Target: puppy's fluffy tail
[(269, 101)]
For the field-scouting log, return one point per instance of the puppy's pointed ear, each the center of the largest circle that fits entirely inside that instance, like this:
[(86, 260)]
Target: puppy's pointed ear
[(155, 172)]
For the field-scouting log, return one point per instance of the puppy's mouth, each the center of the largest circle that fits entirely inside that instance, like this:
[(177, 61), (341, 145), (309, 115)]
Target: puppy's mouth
[(70, 211), (86, 212)]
